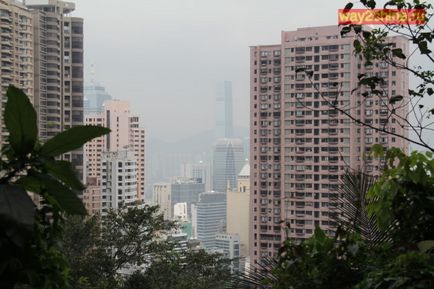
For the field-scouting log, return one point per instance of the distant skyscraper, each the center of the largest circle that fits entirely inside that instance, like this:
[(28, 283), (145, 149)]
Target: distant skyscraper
[(228, 160), (200, 172), (94, 98), (210, 217), (301, 145), (186, 191), (224, 113)]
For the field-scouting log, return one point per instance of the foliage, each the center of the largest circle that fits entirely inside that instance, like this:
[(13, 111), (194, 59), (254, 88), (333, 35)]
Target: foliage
[(98, 249), (372, 45), (29, 235), (399, 207), (185, 270), (403, 197), (320, 263)]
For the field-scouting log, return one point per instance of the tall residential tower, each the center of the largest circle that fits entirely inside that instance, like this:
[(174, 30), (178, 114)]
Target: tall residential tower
[(300, 145)]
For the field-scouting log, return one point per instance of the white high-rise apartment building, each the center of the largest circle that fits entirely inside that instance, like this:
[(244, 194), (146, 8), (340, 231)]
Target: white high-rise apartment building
[(118, 180)]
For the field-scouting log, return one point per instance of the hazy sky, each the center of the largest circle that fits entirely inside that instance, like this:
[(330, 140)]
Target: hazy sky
[(167, 56)]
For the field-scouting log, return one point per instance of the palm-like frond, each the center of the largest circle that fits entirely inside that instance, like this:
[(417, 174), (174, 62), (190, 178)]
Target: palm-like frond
[(353, 214), (255, 275)]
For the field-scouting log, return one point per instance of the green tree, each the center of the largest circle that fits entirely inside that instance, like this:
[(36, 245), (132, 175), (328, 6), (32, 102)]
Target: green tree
[(184, 270), (97, 248), (29, 235)]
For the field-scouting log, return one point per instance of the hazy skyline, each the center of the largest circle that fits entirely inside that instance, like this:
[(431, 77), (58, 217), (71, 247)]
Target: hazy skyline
[(166, 57)]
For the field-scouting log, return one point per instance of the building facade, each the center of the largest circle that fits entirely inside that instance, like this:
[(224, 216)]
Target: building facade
[(118, 180), (42, 53), (162, 197), (126, 134), (185, 191), (210, 217), (300, 145), (238, 206), (58, 70), (228, 161)]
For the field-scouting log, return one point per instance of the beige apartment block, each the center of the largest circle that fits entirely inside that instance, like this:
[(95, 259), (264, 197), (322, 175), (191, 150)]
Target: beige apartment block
[(58, 70), (238, 204), (16, 53), (300, 146), (162, 196)]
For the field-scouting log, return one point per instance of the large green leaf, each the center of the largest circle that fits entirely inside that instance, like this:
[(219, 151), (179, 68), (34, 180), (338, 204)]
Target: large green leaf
[(65, 172), (72, 139), (20, 120), (17, 213), (55, 193)]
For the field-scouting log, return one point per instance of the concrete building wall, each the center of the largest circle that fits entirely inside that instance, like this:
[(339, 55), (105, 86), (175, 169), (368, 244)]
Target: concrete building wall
[(238, 205), (211, 217), (162, 197), (118, 180)]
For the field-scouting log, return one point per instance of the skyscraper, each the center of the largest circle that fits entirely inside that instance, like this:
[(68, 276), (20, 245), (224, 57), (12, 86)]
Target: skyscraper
[(126, 134), (224, 113), (94, 98), (42, 53), (300, 146), (58, 69), (210, 217), (16, 56), (228, 161), (118, 180)]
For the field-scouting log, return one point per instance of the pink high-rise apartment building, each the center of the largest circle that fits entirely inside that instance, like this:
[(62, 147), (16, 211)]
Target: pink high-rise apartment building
[(300, 146), (126, 135)]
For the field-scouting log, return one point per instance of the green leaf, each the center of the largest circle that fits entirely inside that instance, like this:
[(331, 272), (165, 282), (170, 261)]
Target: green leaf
[(395, 99), (72, 139), (20, 121), (65, 172), (348, 7), (345, 30), (426, 245), (430, 91), (398, 53), (377, 150), (54, 193), (423, 47), (357, 45), (17, 213)]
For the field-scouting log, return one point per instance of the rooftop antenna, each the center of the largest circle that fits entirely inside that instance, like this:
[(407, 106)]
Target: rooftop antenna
[(92, 73)]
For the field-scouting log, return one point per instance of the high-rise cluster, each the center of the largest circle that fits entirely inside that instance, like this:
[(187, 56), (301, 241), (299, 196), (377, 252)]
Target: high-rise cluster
[(300, 144), (115, 163), (42, 53)]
